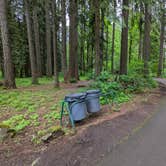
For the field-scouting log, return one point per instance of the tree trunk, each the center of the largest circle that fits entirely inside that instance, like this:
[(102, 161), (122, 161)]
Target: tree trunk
[(140, 33), (164, 62), (9, 81), (97, 36), (81, 51), (107, 47), (161, 57), (48, 39), (1, 58), (37, 41), (113, 40), (64, 57), (146, 42), (73, 41), (31, 44), (87, 56), (113, 47), (102, 39), (131, 36), (124, 38), (54, 29)]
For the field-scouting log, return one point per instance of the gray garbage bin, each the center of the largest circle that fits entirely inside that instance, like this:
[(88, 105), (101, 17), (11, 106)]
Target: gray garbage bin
[(93, 101), (77, 106)]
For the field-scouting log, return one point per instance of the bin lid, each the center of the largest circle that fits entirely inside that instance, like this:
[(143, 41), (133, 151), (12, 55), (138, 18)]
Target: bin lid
[(94, 91), (75, 97)]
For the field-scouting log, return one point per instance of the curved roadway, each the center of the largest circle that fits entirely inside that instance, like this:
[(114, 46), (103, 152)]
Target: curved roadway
[(145, 148)]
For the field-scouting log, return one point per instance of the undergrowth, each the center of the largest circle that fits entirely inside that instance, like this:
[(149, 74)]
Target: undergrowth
[(119, 89)]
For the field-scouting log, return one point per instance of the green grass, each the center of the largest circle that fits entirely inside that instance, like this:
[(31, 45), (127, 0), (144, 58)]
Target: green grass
[(27, 82)]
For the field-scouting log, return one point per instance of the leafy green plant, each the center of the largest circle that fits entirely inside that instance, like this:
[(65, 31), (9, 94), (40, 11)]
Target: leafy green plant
[(136, 83), (17, 122), (104, 76), (34, 116), (126, 84), (53, 107), (52, 115)]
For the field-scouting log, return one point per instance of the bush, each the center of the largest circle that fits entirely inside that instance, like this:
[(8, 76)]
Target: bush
[(104, 76), (120, 91), (136, 83)]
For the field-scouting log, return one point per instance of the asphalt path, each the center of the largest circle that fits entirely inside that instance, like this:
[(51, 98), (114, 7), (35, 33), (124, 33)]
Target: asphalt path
[(147, 147)]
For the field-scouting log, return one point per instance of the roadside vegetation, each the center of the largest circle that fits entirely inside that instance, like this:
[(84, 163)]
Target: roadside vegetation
[(49, 48), (36, 109)]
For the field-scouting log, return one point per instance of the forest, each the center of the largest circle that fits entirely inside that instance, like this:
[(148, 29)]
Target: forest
[(51, 48), (70, 39)]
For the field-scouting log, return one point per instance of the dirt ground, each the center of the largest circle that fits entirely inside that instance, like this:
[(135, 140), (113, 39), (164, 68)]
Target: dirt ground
[(95, 136)]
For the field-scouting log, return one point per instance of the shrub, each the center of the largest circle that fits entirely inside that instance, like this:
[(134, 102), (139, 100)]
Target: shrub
[(104, 76), (120, 91)]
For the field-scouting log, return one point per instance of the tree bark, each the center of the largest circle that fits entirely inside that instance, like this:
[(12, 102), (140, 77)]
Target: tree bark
[(113, 40), (48, 39), (146, 42), (102, 39), (97, 37), (107, 47), (162, 34), (31, 44), (9, 80), (124, 38), (113, 47), (64, 57), (37, 41), (1, 58), (140, 33), (73, 41), (131, 36), (54, 29)]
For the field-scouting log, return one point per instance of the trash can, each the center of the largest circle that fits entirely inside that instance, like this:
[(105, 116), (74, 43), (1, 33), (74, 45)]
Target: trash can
[(93, 101), (77, 106)]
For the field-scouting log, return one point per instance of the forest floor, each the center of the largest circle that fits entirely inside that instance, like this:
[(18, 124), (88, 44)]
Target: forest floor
[(35, 107)]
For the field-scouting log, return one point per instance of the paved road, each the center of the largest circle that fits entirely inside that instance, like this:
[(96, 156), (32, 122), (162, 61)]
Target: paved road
[(161, 81), (146, 148)]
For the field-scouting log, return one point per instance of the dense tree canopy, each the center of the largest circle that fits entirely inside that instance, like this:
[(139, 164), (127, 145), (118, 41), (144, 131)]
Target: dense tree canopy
[(81, 37)]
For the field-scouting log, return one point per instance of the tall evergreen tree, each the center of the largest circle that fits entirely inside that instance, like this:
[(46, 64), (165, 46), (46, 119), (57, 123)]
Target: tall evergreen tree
[(162, 36), (9, 81), (37, 39), (96, 5), (48, 38), (124, 38), (64, 56), (54, 29), (113, 39), (30, 42), (73, 40), (146, 42)]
